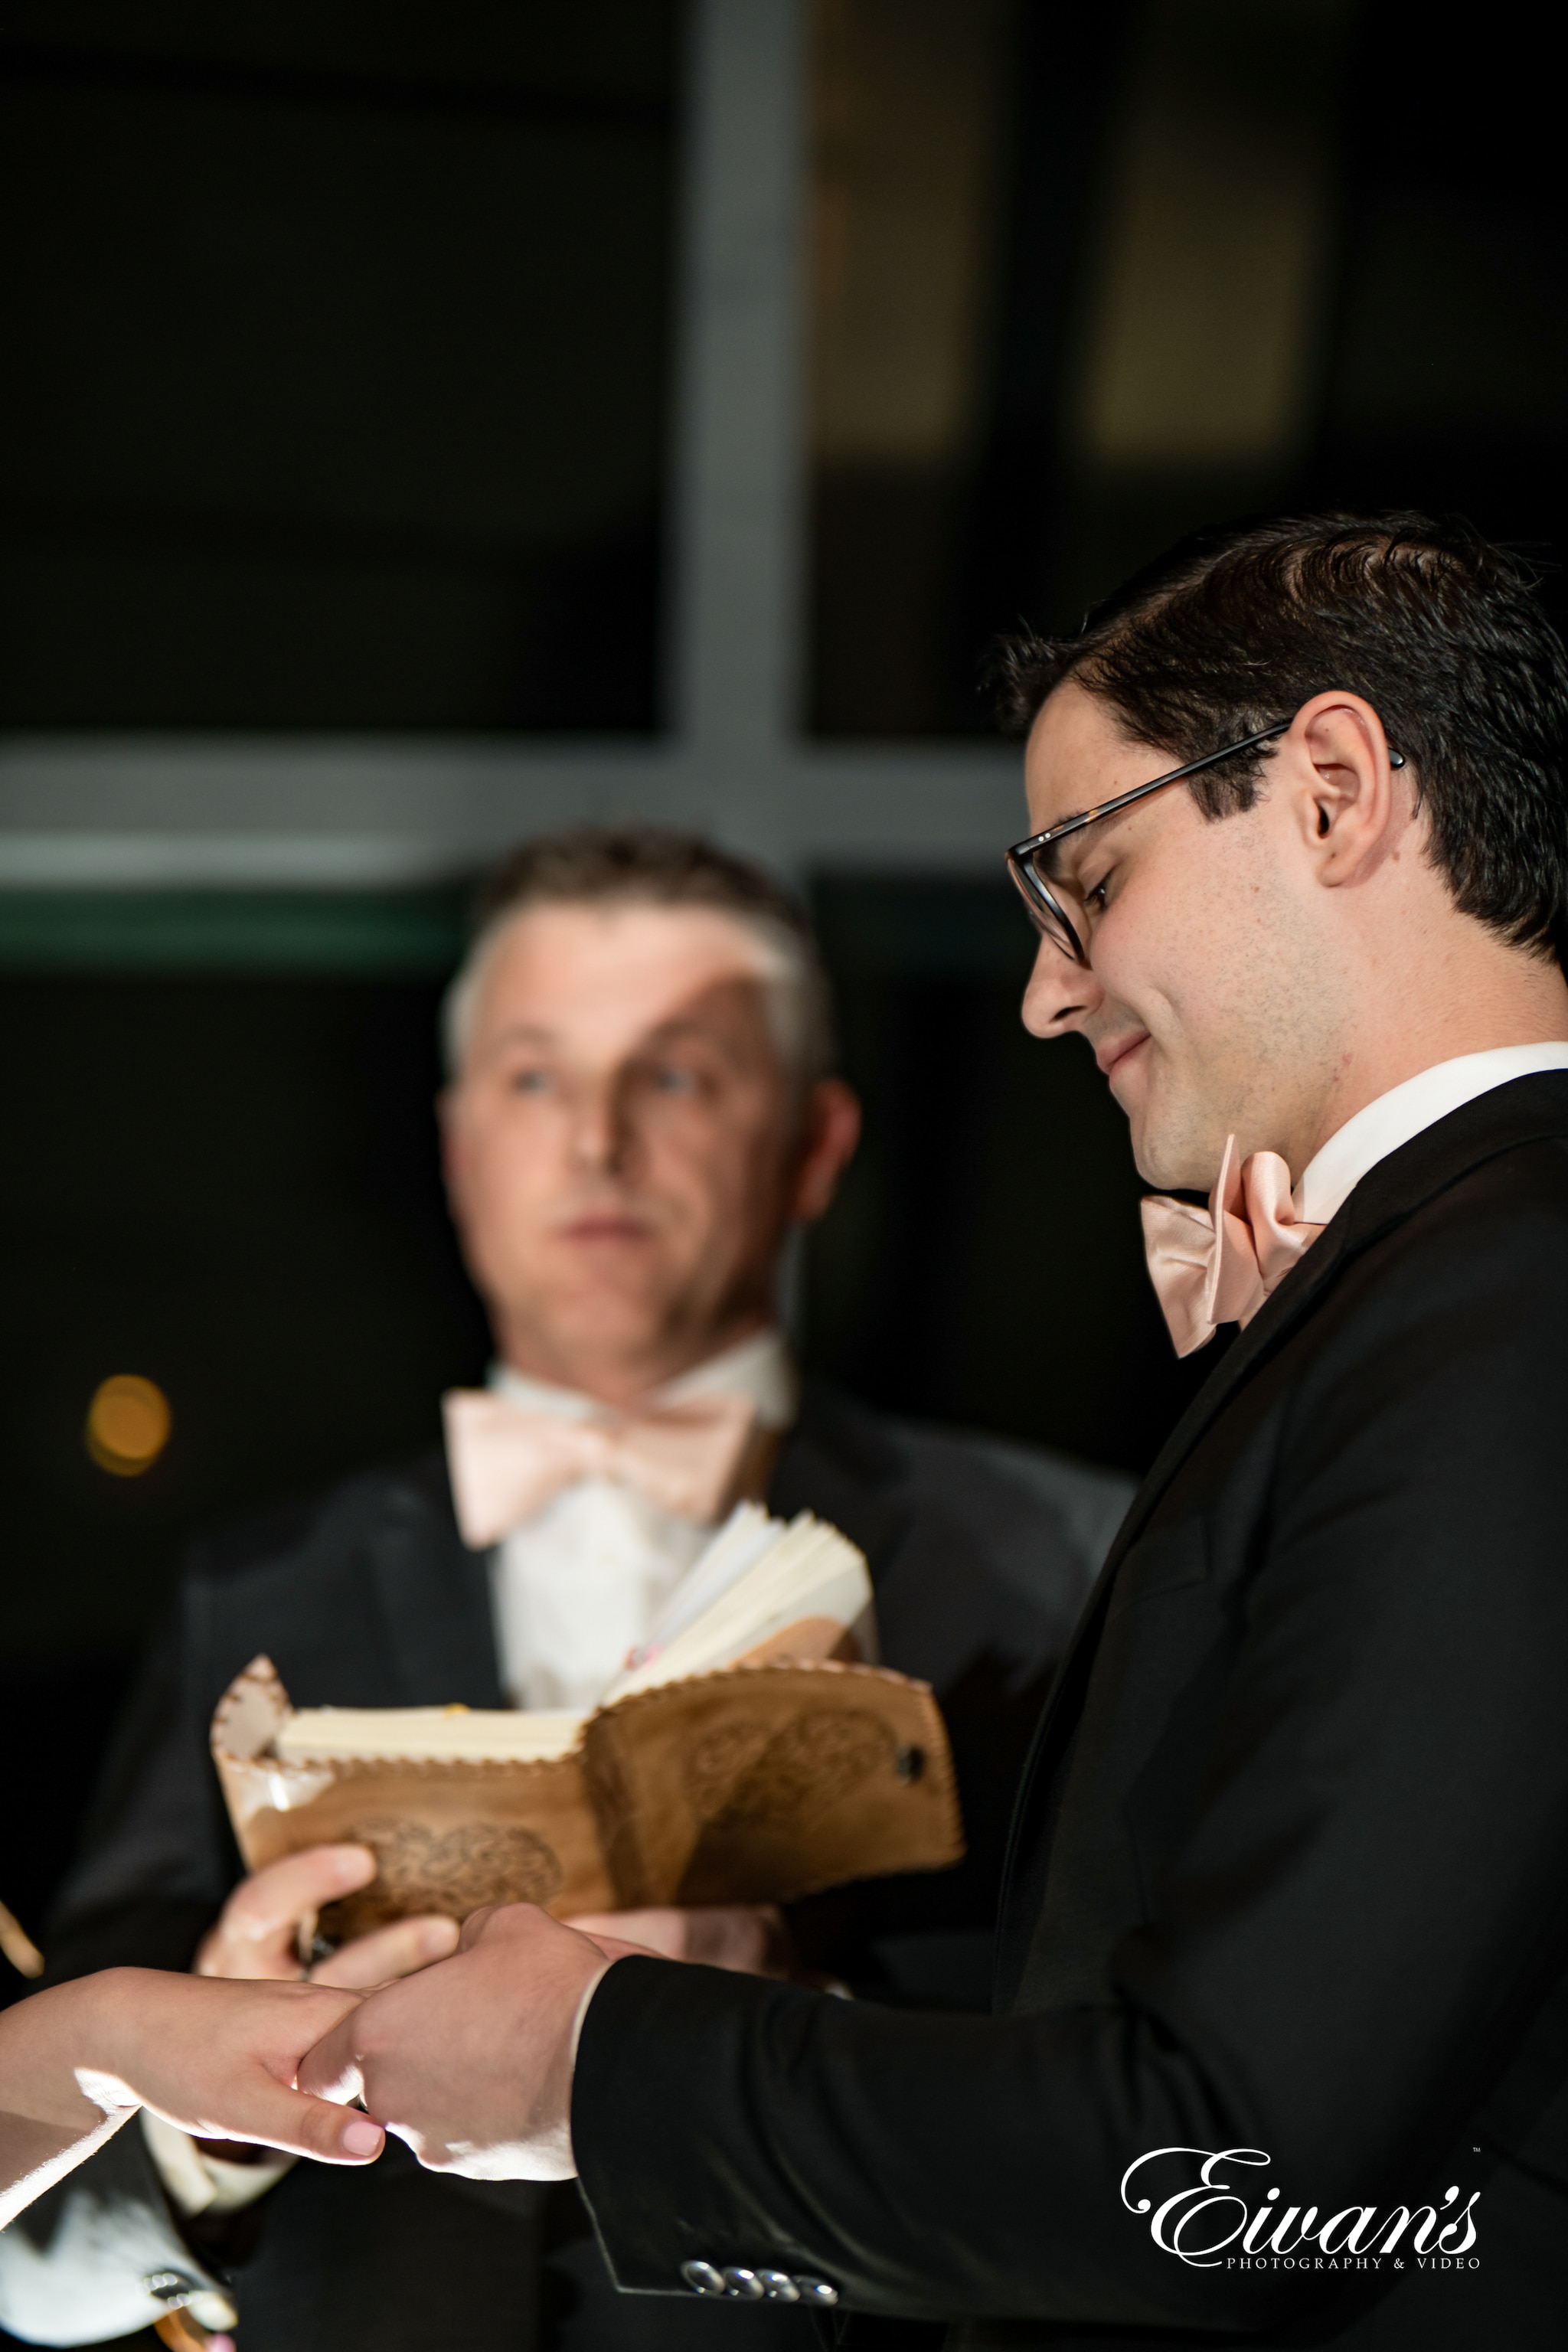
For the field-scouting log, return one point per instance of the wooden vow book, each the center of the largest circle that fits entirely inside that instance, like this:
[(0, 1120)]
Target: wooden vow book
[(749, 1753)]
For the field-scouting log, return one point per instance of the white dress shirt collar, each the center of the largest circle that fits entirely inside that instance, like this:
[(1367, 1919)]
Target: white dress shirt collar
[(1380, 1126), (579, 1585)]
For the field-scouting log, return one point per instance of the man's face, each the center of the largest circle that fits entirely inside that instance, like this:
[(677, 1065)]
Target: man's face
[(1209, 999), (623, 1149)]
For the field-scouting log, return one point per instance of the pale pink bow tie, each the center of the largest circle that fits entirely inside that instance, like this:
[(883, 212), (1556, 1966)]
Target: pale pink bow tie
[(507, 1461), (1218, 1264)]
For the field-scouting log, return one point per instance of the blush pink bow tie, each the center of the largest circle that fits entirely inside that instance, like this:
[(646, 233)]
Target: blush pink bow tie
[(507, 1461), (1218, 1264)]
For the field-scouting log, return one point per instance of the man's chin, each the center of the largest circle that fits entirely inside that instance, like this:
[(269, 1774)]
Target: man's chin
[(1143, 1133), (1172, 1166), (609, 1325), (603, 1325), (1169, 1151)]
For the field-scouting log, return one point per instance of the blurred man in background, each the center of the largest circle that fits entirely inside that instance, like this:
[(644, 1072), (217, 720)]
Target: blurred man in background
[(641, 1109)]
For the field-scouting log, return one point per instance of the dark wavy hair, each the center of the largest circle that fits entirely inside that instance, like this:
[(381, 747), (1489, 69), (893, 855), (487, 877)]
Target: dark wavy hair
[(1443, 632)]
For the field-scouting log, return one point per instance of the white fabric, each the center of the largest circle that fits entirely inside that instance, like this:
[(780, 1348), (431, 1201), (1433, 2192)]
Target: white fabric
[(200, 2183), (581, 1585), (81, 2281), (1330, 1176)]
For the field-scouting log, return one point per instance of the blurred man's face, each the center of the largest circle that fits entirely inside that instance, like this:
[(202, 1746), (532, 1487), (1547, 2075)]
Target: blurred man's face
[(624, 1151)]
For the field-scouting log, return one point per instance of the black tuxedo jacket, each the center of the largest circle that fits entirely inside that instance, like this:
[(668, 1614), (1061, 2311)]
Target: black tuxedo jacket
[(1289, 1871), (981, 1552)]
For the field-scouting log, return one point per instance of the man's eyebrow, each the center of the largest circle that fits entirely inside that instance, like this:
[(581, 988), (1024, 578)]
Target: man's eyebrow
[(533, 1033), (1067, 855), (679, 1025), (1062, 857)]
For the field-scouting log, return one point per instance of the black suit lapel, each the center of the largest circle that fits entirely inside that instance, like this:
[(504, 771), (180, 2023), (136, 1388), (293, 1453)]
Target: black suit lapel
[(1526, 1110), (1305, 1284), (432, 1597), (837, 1462)]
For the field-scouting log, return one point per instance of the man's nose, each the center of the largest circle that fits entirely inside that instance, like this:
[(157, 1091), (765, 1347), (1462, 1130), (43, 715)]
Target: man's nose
[(1061, 995), (598, 1122)]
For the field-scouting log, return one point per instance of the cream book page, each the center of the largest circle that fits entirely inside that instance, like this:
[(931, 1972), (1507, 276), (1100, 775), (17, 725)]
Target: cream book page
[(436, 1734), (757, 1579)]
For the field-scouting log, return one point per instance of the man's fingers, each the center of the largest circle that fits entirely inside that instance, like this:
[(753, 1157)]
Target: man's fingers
[(474, 1926), (751, 1938), (332, 2070), (615, 1948), (287, 1891), (662, 1931), (395, 1951), (272, 1902)]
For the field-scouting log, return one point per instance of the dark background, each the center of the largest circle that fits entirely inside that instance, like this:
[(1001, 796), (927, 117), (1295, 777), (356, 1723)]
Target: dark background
[(1343, 222), (337, 398), (339, 339), (341, 331)]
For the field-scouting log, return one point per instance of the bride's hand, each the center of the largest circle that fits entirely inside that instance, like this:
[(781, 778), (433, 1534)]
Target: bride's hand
[(216, 2058)]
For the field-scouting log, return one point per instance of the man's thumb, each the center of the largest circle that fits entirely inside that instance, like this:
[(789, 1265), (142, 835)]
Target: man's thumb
[(330, 2069)]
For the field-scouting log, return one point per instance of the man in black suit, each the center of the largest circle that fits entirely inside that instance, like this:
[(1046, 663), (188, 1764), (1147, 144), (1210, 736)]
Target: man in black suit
[(1281, 2050), (642, 1105)]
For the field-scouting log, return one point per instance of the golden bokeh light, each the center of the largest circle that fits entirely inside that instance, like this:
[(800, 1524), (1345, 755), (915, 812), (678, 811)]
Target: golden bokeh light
[(128, 1424)]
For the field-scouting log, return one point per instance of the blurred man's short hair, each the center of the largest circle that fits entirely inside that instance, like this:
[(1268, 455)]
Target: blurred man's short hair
[(656, 866)]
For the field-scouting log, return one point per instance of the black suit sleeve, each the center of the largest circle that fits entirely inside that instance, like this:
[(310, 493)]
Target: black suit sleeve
[(1348, 1833)]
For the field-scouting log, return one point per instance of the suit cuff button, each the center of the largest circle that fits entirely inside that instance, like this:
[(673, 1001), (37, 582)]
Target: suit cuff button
[(702, 2278), (743, 2285), (817, 2291), (779, 2287)]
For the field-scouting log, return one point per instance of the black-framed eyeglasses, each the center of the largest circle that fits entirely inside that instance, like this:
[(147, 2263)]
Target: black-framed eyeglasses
[(1028, 861)]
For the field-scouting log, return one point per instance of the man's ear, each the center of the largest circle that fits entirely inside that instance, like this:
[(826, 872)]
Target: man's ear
[(1352, 800), (829, 1131)]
